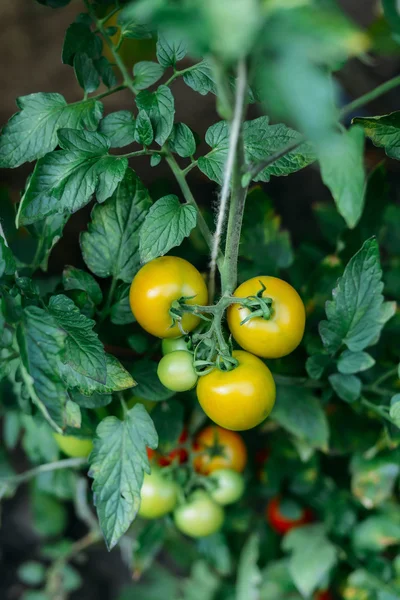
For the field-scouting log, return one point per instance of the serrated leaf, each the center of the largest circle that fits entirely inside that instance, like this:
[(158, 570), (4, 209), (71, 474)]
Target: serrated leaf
[(78, 39), (41, 343), (146, 73), (300, 413), (117, 464), (354, 362), (117, 379), (312, 557), (342, 170), (86, 72), (160, 108), (65, 180), (373, 480), (149, 386), (347, 387), (384, 132), (182, 140), (166, 225), (32, 132), (84, 353), (260, 141), (119, 127), (110, 247), (200, 78), (357, 313), (249, 576), (170, 50), (144, 130), (76, 279)]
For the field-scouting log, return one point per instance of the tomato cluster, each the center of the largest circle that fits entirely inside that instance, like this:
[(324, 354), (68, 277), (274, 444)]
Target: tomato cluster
[(219, 457), (269, 323)]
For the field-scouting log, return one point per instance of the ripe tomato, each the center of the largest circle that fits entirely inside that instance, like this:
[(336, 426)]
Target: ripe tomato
[(176, 371), (157, 285), (179, 454), (277, 336), (173, 344), (323, 595), (73, 446), (239, 399), (233, 452), (229, 486), (284, 515), (158, 495), (199, 516)]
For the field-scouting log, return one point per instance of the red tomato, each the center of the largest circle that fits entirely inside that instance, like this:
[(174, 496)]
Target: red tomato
[(177, 454), (284, 515), (323, 595)]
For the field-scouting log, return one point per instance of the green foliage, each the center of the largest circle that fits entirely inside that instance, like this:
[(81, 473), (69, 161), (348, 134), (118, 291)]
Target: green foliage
[(119, 127), (159, 106), (383, 131)]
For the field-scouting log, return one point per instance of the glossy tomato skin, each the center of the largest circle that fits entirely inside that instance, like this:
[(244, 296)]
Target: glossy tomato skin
[(229, 486), (176, 371), (158, 495), (281, 523), (239, 399), (200, 516), (173, 344), (233, 447), (73, 446), (157, 285), (277, 336)]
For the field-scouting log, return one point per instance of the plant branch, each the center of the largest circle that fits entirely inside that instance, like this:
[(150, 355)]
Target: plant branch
[(67, 463), (234, 135), (110, 296), (177, 74)]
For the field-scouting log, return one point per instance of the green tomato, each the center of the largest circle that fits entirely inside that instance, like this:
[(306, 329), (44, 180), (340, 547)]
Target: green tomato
[(176, 371), (229, 486), (199, 516), (169, 345), (73, 446), (158, 495)]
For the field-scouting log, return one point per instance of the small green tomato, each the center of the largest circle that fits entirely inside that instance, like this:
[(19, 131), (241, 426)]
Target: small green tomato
[(169, 345), (200, 516), (229, 486), (158, 495), (176, 371)]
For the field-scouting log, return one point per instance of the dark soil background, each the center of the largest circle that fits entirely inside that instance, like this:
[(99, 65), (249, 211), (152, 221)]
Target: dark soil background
[(31, 38)]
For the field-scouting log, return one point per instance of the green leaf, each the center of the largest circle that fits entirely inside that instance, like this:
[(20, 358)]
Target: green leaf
[(166, 225), (73, 416), (117, 379), (200, 78), (376, 533), (170, 50), (395, 409), (300, 413), (32, 132), (80, 39), (84, 352), (147, 545), (384, 132), (316, 365), (216, 550), (347, 387), (37, 440), (106, 71), (132, 30), (260, 141), (117, 464), (182, 140), (31, 573), (49, 514), (146, 73), (41, 342), (119, 127), (110, 247), (354, 362), (202, 584), (65, 180), (86, 72), (144, 130), (249, 576), (155, 159), (76, 279), (391, 12), (7, 260), (168, 421), (160, 108), (49, 232), (357, 313), (121, 313), (149, 386), (342, 170), (93, 401), (277, 584), (373, 480), (313, 556)]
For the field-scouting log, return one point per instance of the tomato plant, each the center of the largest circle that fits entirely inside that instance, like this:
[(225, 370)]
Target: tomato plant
[(200, 237)]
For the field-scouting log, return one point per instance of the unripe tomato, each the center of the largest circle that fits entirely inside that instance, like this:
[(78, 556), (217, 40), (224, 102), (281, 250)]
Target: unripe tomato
[(284, 515), (157, 285), (229, 486), (158, 495), (176, 371), (241, 398), (200, 516), (274, 337), (232, 450), (73, 446), (169, 345)]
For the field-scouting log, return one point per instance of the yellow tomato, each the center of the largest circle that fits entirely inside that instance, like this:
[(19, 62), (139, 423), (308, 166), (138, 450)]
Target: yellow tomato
[(157, 285), (232, 450), (239, 399), (282, 332), (73, 446)]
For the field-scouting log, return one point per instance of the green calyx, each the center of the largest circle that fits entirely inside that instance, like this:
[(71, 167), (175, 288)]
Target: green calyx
[(258, 306)]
